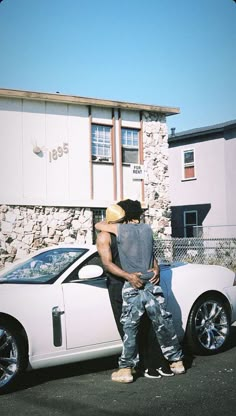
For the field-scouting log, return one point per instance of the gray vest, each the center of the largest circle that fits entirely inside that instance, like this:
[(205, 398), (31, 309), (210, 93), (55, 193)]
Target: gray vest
[(135, 246)]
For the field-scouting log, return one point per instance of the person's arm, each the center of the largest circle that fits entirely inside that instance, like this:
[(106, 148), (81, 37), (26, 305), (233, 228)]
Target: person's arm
[(104, 226), (104, 250), (156, 270)]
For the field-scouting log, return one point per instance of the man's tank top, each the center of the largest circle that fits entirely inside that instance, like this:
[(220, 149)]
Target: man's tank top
[(135, 246)]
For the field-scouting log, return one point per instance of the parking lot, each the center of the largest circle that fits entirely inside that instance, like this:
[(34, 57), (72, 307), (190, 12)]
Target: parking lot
[(208, 388)]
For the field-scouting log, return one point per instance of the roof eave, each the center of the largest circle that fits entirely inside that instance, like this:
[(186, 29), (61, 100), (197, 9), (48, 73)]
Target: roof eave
[(73, 99)]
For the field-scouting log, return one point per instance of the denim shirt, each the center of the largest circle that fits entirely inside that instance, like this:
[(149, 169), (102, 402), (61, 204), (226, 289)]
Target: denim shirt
[(135, 246)]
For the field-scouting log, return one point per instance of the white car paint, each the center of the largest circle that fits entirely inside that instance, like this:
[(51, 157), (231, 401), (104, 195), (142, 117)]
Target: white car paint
[(182, 284), (88, 328)]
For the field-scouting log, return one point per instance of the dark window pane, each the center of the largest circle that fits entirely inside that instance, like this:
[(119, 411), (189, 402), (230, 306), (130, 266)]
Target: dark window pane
[(98, 215), (129, 155), (191, 218), (189, 157)]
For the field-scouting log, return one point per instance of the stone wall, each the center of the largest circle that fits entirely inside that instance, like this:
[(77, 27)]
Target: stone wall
[(155, 143), (25, 229)]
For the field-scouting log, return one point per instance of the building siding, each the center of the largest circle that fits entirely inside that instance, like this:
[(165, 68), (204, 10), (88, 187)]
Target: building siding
[(212, 190)]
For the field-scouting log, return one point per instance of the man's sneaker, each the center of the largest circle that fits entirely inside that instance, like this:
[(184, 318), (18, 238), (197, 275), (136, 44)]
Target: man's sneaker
[(152, 373), (177, 367), (123, 375), (165, 372)]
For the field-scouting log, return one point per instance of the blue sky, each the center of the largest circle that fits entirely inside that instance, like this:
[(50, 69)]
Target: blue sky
[(164, 52)]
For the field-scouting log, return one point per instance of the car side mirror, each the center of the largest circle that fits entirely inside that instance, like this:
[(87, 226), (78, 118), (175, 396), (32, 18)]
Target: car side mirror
[(90, 272)]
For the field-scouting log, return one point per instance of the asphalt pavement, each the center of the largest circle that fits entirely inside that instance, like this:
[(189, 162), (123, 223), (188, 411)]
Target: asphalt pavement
[(85, 389)]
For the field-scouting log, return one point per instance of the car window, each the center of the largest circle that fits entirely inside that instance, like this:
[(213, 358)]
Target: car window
[(93, 260), (45, 267)]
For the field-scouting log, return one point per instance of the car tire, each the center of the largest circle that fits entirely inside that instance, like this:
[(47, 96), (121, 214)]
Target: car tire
[(13, 356), (208, 326)]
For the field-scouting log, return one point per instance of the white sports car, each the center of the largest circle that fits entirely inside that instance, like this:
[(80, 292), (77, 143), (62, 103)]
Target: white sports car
[(55, 309)]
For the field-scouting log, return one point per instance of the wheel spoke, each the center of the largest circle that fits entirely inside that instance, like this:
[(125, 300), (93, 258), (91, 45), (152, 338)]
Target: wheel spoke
[(221, 325), (200, 328), (7, 370), (10, 360), (215, 311), (5, 344), (203, 312), (221, 330), (211, 339)]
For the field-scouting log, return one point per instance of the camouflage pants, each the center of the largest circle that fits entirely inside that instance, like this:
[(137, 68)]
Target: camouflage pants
[(135, 302)]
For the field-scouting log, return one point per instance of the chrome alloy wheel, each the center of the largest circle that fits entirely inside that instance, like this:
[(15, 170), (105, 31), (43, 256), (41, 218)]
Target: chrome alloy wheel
[(211, 324), (8, 357)]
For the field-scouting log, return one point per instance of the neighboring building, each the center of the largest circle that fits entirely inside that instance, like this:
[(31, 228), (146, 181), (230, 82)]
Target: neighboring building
[(202, 173), (64, 159)]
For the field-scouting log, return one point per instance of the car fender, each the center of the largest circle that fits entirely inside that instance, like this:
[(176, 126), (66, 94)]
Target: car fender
[(183, 284), (33, 310)]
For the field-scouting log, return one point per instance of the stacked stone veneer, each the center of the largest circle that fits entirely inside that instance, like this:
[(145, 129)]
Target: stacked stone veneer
[(156, 185), (26, 229)]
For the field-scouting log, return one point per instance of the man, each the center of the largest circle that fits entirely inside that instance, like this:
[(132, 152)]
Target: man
[(149, 350)]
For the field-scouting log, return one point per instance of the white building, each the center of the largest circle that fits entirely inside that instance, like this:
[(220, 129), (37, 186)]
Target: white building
[(202, 172), (64, 159)]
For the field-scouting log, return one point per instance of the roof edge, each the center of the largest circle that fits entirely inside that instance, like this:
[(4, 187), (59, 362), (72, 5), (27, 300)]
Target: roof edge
[(74, 99), (202, 130)]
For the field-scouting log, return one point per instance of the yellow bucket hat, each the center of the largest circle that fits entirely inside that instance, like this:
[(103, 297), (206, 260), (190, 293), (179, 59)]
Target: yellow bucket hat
[(114, 213)]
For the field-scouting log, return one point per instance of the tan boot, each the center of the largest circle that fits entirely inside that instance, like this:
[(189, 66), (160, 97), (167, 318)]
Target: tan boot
[(177, 367), (123, 375)]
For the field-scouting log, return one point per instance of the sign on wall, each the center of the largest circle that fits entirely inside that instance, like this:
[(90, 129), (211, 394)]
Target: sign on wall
[(137, 171)]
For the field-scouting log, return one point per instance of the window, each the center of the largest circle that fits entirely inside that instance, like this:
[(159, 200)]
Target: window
[(98, 215), (45, 267), (101, 143), (189, 169), (130, 145), (92, 260), (190, 220)]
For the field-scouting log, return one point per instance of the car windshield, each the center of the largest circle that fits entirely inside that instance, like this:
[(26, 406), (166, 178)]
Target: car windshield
[(44, 267)]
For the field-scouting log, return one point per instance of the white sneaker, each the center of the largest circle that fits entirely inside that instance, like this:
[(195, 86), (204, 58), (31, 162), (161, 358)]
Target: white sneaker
[(152, 373)]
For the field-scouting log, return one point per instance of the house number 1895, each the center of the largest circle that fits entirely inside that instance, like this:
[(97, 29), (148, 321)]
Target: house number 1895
[(54, 154)]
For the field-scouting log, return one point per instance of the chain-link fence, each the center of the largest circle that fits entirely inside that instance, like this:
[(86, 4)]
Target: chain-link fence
[(197, 250)]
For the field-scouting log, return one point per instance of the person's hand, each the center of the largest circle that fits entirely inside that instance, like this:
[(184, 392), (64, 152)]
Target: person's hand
[(156, 278), (135, 280)]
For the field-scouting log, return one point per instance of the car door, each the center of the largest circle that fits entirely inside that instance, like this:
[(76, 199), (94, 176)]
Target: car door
[(88, 314)]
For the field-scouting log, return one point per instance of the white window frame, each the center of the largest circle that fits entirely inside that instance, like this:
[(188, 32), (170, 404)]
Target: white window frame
[(187, 224), (191, 164), (101, 144)]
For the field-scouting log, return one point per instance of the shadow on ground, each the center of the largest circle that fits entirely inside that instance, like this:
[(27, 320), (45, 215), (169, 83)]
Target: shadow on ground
[(37, 377), (41, 376)]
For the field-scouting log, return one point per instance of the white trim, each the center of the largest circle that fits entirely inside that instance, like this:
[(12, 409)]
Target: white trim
[(188, 164), (100, 204)]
